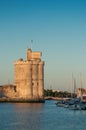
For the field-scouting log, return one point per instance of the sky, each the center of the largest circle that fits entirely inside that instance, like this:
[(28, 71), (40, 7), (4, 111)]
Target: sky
[(58, 30)]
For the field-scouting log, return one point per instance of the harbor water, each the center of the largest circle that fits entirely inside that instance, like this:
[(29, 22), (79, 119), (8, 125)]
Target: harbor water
[(40, 116)]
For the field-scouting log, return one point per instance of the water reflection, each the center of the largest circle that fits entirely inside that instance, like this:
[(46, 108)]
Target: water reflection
[(29, 106), (29, 115), (24, 116)]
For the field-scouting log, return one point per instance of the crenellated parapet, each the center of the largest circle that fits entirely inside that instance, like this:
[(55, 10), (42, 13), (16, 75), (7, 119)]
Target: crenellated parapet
[(22, 62)]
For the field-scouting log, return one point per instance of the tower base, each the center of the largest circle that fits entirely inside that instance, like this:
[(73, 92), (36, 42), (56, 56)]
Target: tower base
[(20, 100)]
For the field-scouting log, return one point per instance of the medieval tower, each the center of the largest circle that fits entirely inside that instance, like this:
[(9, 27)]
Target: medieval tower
[(29, 77)]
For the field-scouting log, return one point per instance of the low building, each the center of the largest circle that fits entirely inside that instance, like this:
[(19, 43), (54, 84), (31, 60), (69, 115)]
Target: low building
[(81, 93)]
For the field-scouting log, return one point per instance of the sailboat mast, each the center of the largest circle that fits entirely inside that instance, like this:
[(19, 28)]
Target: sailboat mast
[(74, 87), (72, 84), (81, 83)]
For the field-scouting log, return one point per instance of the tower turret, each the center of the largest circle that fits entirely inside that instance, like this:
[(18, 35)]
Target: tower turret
[(29, 76)]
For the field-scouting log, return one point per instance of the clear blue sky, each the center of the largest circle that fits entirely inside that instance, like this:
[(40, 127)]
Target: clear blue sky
[(57, 28)]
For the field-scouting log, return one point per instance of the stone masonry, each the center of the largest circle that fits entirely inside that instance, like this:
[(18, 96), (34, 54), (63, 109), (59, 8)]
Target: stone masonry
[(29, 76)]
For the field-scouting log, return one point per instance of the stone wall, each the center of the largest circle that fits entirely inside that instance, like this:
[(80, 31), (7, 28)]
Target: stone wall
[(22, 78), (8, 91)]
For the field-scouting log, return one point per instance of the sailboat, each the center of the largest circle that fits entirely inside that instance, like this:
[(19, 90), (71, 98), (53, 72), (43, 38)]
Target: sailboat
[(80, 104), (74, 103)]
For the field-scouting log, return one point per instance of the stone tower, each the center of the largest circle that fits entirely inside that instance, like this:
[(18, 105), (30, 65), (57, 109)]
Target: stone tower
[(29, 77)]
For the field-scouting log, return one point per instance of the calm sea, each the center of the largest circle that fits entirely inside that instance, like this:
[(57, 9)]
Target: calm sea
[(25, 116)]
